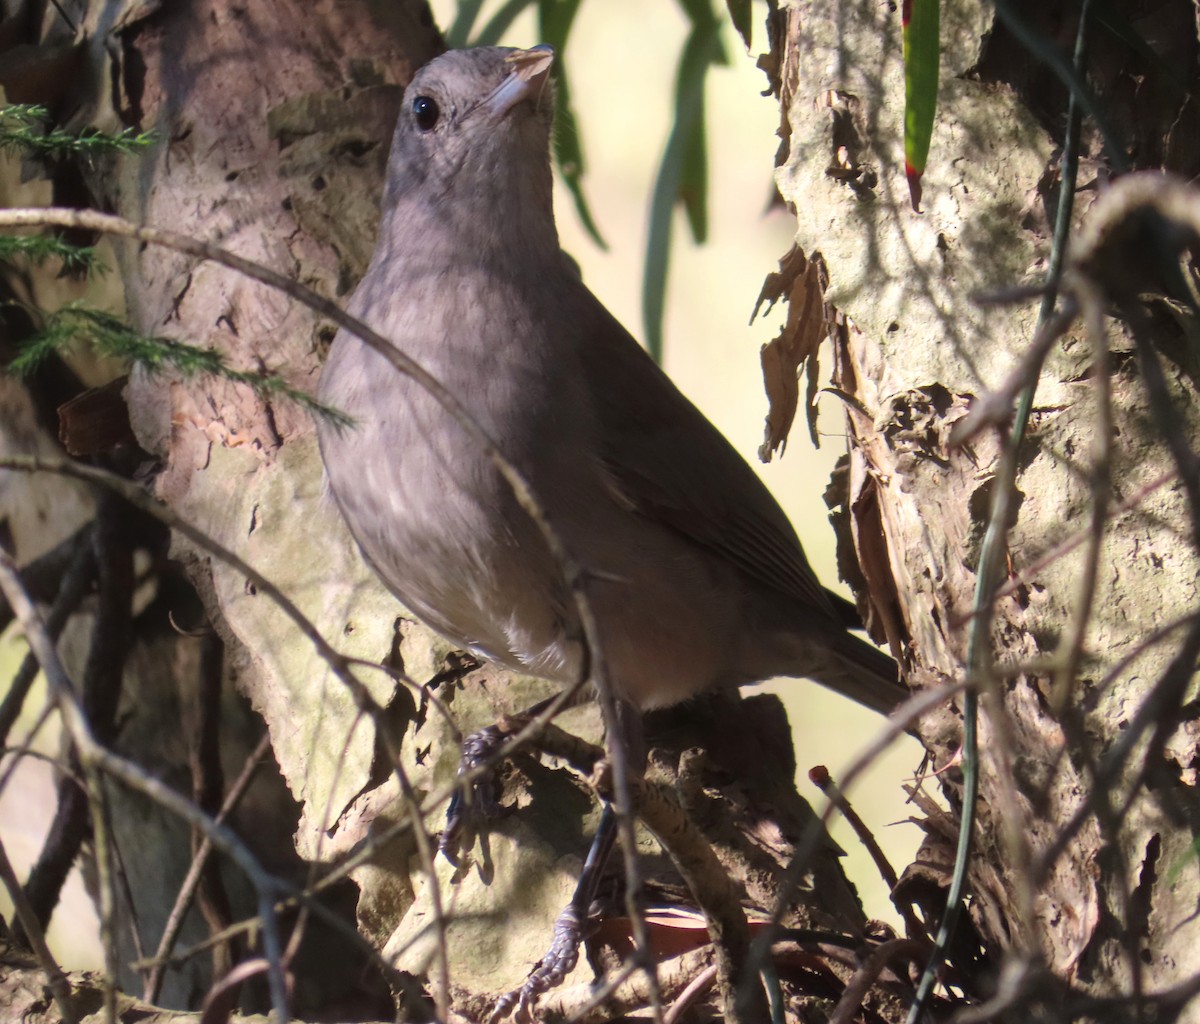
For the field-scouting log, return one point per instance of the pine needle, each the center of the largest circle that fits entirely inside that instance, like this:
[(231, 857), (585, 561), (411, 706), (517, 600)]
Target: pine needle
[(24, 129), (37, 249), (112, 338)]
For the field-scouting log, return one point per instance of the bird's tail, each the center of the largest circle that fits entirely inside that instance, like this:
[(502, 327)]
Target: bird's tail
[(863, 673)]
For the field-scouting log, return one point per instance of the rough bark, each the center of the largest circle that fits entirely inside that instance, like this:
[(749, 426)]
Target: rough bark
[(252, 103), (1114, 911)]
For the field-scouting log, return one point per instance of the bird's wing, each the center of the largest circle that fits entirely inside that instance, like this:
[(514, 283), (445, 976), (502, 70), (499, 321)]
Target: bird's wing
[(667, 462)]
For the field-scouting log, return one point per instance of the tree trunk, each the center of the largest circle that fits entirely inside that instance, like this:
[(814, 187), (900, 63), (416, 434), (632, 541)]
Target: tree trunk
[(1106, 909)]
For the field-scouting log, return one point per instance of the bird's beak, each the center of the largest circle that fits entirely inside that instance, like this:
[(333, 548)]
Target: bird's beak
[(527, 80)]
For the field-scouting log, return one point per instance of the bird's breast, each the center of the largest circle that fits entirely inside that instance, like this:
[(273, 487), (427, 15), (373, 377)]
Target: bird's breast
[(433, 515)]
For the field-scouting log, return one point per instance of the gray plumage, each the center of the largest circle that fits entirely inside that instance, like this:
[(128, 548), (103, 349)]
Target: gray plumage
[(699, 580)]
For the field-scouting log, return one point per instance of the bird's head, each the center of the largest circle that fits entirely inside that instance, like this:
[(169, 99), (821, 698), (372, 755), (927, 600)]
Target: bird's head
[(472, 142)]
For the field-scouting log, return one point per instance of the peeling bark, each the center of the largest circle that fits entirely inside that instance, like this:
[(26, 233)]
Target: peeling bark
[(915, 352)]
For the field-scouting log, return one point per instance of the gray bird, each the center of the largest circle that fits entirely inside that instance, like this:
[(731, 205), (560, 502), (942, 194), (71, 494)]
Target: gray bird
[(697, 577), (700, 579)]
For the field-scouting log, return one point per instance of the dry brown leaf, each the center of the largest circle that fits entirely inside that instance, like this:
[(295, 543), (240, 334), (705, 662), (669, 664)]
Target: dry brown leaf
[(40, 74), (800, 281), (96, 420)]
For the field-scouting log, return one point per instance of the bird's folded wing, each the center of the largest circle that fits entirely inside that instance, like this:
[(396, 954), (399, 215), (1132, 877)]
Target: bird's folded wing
[(670, 464)]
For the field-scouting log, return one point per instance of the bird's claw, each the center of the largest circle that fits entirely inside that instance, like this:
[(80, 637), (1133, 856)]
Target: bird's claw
[(550, 971), (476, 802)]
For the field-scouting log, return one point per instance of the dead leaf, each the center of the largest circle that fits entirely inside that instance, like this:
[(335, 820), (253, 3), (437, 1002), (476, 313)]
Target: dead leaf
[(95, 421), (41, 74), (801, 282)]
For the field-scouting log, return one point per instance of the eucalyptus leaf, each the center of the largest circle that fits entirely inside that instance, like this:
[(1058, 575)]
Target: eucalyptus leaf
[(501, 22), (693, 178), (683, 165), (739, 14), (921, 21), (460, 32), (555, 20)]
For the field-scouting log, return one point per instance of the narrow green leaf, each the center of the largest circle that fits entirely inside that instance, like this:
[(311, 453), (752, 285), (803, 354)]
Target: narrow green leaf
[(693, 177), (684, 149), (568, 156), (501, 22), (699, 12), (555, 19), (921, 52), (464, 20), (739, 14)]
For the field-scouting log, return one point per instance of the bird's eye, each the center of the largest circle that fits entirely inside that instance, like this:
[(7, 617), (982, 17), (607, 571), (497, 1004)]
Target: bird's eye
[(425, 111)]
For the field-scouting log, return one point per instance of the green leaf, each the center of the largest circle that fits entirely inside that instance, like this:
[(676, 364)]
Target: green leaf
[(921, 53), (464, 19), (739, 14), (501, 22), (683, 173), (555, 19), (693, 178), (699, 12)]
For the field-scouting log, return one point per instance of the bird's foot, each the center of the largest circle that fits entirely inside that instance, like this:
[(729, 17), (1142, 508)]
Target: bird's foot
[(474, 802), (550, 972)]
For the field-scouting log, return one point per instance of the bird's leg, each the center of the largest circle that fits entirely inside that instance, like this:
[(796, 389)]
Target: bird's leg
[(578, 920), (469, 807)]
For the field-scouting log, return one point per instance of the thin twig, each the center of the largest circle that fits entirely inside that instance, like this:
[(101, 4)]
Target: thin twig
[(824, 781), (94, 758), (425, 855), (899, 723), (56, 980), (695, 989), (860, 983), (73, 586), (187, 890), (43, 577)]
